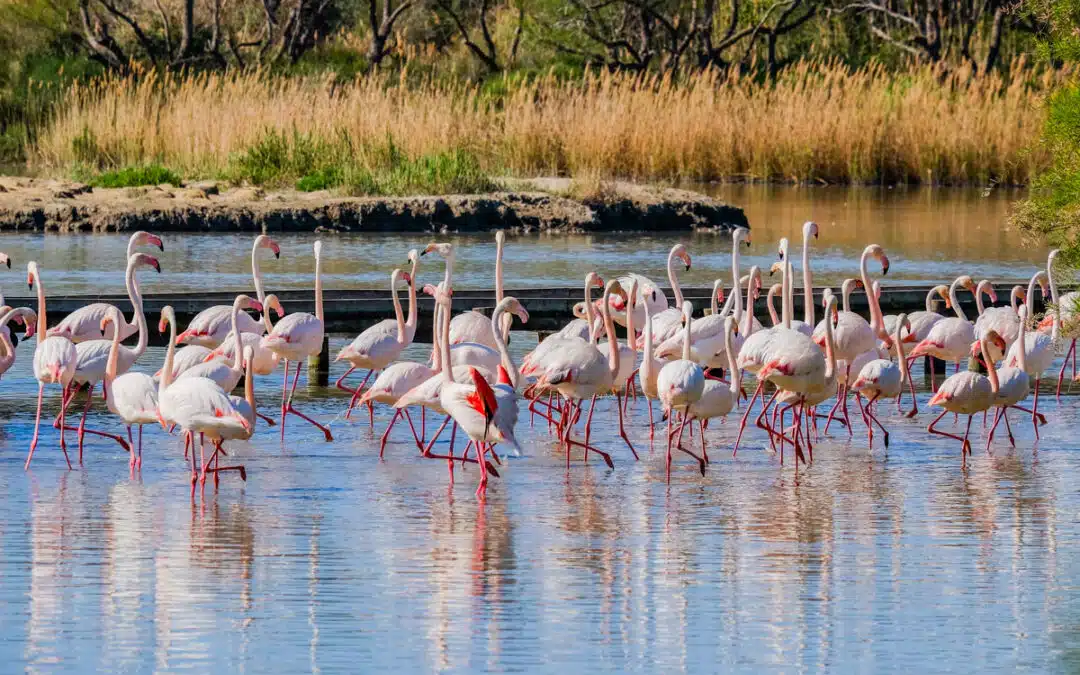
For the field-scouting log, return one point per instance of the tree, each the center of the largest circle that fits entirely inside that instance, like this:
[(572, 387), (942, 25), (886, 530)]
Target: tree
[(382, 27)]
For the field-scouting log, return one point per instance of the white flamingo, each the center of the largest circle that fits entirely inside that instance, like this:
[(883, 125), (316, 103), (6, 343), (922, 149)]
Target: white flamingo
[(1066, 308), (967, 393), (198, 406), (679, 385), (1038, 350), (85, 323), (381, 344), (222, 373), (881, 378), (93, 355), (54, 363), (7, 348), (950, 338), (296, 337), (131, 396), (1014, 385), (210, 326), (474, 326), (717, 398), (921, 321)]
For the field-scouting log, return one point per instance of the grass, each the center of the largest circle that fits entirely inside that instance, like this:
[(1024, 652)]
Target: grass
[(816, 122), (135, 176)]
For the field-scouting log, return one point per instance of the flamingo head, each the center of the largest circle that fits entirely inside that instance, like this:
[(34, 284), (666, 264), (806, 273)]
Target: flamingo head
[(986, 288), (514, 306), (264, 241), (810, 229), (249, 356), (148, 239), (776, 267), (968, 283), (782, 250), (30, 321), (943, 292), (878, 253), (902, 323), (31, 272), (444, 249), (680, 252), (1041, 279), (144, 260), (720, 294), (413, 257), (112, 316), (168, 315), (271, 302), (5, 259), (741, 235), (248, 302), (500, 237)]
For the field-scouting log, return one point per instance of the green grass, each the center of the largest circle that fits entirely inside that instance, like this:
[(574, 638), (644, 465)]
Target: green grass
[(135, 176), (278, 159)]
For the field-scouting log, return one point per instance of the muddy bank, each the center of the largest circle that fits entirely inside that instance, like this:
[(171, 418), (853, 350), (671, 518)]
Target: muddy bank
[(543, 205)]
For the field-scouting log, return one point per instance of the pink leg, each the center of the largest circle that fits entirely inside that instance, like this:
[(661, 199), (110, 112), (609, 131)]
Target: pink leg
[(745, 417), (651, 429), (931, 429), (341, 379), (356, 394), (408, 418), (704, 452), (290, 409), (873, 418), (386, 434), (284, 398), (622, 429), (1035, 409), (438, 432)]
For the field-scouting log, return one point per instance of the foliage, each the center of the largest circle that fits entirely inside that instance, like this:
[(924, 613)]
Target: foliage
[(135, 176)]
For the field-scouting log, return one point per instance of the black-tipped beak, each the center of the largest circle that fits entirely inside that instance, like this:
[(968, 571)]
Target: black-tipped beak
[(277, 255), (747, 244), (423, 253), (9, 263), (161, 246), (157, 266), (30, 285)]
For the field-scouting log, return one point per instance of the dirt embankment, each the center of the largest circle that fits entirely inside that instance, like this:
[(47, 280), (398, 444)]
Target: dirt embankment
[(29, 204)]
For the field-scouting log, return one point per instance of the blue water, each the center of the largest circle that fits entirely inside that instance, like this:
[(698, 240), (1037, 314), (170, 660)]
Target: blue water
[(329, 559)]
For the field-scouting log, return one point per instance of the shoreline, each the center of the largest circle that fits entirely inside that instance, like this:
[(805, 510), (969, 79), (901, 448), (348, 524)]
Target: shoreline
[(538, 205)]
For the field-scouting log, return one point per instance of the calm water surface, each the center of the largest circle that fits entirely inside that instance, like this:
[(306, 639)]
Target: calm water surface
[(929, 236), (328, 559)]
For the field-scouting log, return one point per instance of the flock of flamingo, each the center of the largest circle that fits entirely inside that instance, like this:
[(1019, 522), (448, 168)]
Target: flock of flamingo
[(693, 367)]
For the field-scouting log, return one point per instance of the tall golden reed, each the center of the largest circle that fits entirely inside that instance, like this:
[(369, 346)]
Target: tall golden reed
[(818, 121)]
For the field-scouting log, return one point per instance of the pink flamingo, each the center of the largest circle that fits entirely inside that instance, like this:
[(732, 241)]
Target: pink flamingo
[(7, 349), (950, 338), (224, 375), (474, 326), (1038, 350), (381, 344), (923, 320), (967, 393), (93, 355), (883, 378), (1014, 385), (210, 326), (680, 384), (296, 337), (133, 397), (667, 322), (85, 323), (1066, 306), (54, 363), (717, 398)]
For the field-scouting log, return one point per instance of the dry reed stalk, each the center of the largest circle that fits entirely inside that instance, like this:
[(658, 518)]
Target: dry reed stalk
[(817, 121)]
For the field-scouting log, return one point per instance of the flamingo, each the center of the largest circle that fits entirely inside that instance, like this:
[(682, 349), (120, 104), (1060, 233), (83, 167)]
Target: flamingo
[(883, 378), (7, 348), (627, 359), (950, 338), (248, 409), (681, 384), (381, 344), (1002, 320), (474, 326), (1014, 385), (266, 361), (296, 337), (578, 371), (197, 405), (810, 229), (968, 393), (1038, 351), (922, 321), (85, 323), (650, 367), (533, 362), (93, 355), (789, 276), (1065, 311), (133, 397), (210, 326), (220, 372), (54, 363), (668, 321), (717, 398), (473, 406)]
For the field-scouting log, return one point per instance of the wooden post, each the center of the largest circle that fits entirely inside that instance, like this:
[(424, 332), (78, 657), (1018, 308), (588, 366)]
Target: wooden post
[(319, 366)]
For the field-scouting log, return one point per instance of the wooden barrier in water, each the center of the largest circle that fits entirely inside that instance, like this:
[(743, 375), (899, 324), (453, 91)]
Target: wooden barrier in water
[(348, 312)]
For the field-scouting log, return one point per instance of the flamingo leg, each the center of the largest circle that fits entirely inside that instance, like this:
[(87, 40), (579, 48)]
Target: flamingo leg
[(588, 426), (652, 430), (82, 430), (289, 408), (408, 418), (1035, 409), (1064, 365), (745, 417), (481, 489), (426, 450), (873, 418), (957, 437), (356, 394), (704, 452), (678, 446), (341, 379), (284, 397), (386, 434), (967, 432), (131, 442), (138, 461), (1008, 428), (622, 430)]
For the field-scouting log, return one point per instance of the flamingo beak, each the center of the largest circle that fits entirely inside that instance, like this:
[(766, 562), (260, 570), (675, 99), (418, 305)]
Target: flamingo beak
[(884, 264), (256, 305), (7, 261), (155, 240), (276, 249), (522, 314), (407, 277)]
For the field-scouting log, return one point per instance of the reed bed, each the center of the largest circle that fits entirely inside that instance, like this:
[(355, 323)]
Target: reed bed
[(815, 122)]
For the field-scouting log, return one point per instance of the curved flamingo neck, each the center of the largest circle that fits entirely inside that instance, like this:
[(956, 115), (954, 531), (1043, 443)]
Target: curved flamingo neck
[(114, 356), (410, 323), (905, 374), (955, 299), (770, 305), (444, 345), (647, 352), (631, 332), (318, 286), (590, 316), (831, 371), (991, 371), (249, 384), (733, 366), (930, 299), (978, 296), (1030, 304), (673, 277), (1015, 298), (712, 301), (256, 274), (397, 307), (500, 344), (609, 326), (846, 290), (5, 339), (1021, 339), (875, 307), (137, 304), (736, 240), (809, 311), (748, 319), (238, 344), (436, 332), (686, 332), (786, 304), (42, 325), (170, 354)]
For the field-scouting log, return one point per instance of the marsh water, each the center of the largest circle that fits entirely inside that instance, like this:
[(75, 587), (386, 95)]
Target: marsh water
[(329, 559)]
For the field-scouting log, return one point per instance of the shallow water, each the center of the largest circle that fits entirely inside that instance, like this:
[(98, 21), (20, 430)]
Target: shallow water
[(930, 235), (329, 559)]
